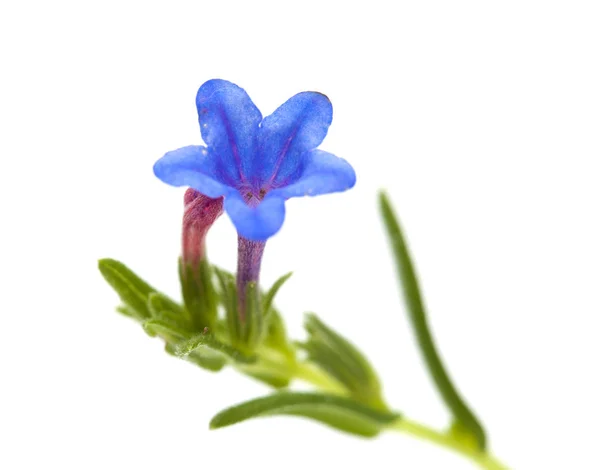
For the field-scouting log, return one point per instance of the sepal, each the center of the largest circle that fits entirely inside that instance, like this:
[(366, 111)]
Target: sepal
[(276, 337), (228, 298), (198, 291), (269, 296)]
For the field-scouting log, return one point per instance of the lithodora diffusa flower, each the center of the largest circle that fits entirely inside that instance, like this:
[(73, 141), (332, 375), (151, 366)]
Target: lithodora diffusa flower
[(256, 163)]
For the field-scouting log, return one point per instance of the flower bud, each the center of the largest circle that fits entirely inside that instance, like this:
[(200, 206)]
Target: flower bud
[(200, 213), (196, 280)]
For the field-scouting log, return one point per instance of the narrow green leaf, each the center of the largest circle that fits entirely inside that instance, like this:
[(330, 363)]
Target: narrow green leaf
[(340, 413), (229, 300), (132, 290), (272, 292), (333, 363), (210, 294), (354, 359), (270, 377), (226, 275), (166, 328), (416, 308), (341, 359), (129, 312), (163, 308), (206, 359), (206, 340), (276, 335), (199, 293), (158, 302)]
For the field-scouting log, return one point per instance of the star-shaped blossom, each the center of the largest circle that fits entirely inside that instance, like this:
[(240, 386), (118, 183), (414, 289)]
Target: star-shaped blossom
[(254, 163)]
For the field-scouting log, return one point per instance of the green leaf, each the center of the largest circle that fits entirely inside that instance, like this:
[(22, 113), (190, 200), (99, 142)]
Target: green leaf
[(210, 294), (276, 336), (206, 359), (229, 300), (163, 308), (129, 312), (340, 413), (272, 292), (341, 359), (353, 358), (158, 303), (332, 363), (225, 275), (166, 328), (199, 293), (416, 309), (269, 377), (132, 290), (208, 341)]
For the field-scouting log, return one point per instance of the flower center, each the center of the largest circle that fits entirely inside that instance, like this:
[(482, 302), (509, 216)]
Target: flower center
[(252, 198)]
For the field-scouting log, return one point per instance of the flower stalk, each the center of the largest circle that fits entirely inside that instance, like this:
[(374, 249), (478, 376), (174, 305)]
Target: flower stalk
[(250, 254)]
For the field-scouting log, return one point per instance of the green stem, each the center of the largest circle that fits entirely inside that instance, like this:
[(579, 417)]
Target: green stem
[(307, 372), (414, 429)]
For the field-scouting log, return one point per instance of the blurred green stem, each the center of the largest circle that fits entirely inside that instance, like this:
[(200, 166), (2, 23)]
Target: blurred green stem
[(307, 372), (414, 429)]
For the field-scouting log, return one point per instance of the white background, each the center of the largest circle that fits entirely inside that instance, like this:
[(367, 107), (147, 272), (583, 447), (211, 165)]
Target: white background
[(480, 118)]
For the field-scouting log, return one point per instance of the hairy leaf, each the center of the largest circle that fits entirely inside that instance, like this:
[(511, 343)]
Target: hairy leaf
[(132, 290), (341, 359), (340, 413), (208, 341)]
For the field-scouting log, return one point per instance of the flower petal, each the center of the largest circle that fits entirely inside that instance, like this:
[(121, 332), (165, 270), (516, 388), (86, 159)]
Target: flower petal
[(229, 122), (191, 166), (255, 223), (321, 173), (297, 126)]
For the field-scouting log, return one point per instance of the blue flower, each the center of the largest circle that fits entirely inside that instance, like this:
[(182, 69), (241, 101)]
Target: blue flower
[(256, 163)]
